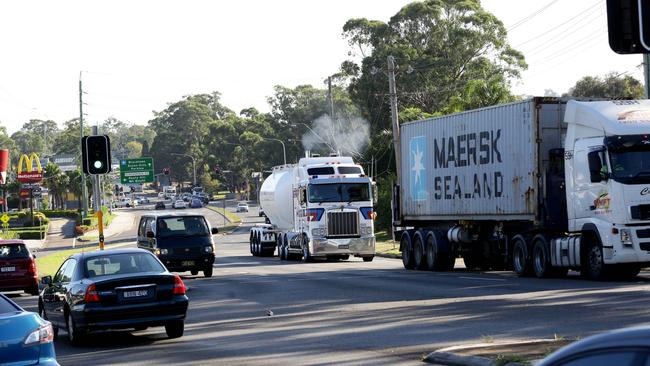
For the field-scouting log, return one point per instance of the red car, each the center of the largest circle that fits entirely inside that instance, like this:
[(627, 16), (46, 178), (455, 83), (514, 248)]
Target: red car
[(17, 267)]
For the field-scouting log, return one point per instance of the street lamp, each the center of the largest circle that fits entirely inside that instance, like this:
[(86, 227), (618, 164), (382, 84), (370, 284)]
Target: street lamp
[(193, 164), (284, 150)]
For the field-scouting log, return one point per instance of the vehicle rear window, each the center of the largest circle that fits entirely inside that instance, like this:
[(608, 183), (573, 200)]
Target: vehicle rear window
[(182, 226), (349, 170), (124, 263), (10, 251), (321, 171), (6, 306)]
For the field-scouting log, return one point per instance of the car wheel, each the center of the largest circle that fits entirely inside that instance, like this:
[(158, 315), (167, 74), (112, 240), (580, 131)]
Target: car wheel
[(33, 290), (207, 272), (369, 258), (175, 329), (194, 272), (75, 335)]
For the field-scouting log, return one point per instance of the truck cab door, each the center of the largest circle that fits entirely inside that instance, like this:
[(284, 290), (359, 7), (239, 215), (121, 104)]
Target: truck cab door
[(590, 176)]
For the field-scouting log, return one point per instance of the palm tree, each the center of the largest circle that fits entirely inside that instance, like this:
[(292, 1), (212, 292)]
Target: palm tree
[(54, 180)]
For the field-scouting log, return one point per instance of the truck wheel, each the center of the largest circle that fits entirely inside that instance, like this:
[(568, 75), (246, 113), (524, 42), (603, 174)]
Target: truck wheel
[(521, 262), (368, 259), (407, 251), (306, 256), (541, 258), (593, 267), (418, 253)]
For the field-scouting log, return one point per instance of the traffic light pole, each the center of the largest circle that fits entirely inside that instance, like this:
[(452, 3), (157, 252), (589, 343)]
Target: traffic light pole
[(646, 73), (84, 189)]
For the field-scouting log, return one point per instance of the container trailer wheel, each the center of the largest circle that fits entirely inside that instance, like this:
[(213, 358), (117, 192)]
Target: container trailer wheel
[(521, 262), (419, 259), (438, 253), (407, 251)]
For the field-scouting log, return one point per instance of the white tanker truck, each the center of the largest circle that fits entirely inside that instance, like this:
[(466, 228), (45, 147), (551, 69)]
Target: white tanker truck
[(321, 207)]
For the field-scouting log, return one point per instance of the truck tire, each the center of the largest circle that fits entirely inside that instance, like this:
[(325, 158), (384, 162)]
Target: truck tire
[(521, 262), (541, 258), (368, 258), (593, 267), (407, 251), (306, 255), (419, 259), (438, 252)]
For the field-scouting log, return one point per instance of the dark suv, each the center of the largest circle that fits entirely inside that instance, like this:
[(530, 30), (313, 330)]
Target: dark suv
[(181, 242)]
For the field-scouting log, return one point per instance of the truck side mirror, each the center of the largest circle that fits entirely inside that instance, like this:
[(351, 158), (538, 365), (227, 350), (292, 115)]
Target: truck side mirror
[(303, 196), (597, 170)]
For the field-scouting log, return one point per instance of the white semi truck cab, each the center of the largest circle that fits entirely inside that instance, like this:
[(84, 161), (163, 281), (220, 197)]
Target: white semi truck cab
[(607, 169), (321, 207)]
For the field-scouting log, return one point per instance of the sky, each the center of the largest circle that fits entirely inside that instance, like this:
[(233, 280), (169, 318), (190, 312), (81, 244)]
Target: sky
[(134, 57)]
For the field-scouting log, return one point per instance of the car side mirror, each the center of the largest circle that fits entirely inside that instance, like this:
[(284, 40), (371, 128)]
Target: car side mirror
[(215, 231), (34, 256), (150, 235), (47, 280)]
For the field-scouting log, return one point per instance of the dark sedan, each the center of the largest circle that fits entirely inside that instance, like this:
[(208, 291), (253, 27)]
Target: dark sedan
[(160, 205), (114, 289), (624, 347)]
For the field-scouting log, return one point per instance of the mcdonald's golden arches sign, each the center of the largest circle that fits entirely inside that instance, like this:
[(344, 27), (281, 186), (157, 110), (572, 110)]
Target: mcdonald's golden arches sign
[(31, 171)]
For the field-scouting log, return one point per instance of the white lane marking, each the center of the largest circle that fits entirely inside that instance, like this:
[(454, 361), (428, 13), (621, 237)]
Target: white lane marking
[(483, 279)]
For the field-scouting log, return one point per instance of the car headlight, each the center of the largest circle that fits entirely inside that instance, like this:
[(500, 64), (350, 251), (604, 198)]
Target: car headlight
[(209, 249), (626, 236)]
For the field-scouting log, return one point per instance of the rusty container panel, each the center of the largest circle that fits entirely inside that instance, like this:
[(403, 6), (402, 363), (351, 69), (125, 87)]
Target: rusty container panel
[(474, 165)]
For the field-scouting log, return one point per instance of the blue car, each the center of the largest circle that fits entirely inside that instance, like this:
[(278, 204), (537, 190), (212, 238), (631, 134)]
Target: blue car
[(25, 337)]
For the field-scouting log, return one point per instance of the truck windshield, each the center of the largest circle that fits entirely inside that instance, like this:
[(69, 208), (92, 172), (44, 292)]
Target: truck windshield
[(339, 192), (630, 166)]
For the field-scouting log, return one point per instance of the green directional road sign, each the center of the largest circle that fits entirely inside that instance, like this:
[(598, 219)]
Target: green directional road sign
[(134, 171)]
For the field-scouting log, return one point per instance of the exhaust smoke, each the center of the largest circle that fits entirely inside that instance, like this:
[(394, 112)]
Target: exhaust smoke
[(349, 136)]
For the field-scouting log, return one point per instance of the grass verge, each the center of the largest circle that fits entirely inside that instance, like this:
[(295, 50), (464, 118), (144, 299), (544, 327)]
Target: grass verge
[(234, 219), (48, 264), (385, 244)]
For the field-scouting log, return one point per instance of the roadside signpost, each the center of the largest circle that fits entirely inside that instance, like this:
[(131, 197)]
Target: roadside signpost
[(136, 171)]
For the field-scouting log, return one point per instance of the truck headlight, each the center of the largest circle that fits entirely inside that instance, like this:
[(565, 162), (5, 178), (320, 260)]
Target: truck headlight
[(319, 231), (209, 249), (626, 237)]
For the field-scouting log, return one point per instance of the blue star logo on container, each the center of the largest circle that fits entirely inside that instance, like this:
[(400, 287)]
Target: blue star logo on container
[(417, 168)]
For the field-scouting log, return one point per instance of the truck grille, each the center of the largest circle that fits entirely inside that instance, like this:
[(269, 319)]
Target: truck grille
[(640, 212), (342, 224)]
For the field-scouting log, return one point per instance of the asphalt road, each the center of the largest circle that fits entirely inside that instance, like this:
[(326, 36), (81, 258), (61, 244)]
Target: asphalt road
[(356, 313)]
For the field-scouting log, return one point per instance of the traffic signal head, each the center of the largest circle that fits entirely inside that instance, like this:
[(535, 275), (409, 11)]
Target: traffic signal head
[(96, 154), (626, 20), (166, 171)]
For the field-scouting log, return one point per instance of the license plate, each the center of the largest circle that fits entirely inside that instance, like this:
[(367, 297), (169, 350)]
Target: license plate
[(187, 263), (344, 246), (136, 293), (8, 269)]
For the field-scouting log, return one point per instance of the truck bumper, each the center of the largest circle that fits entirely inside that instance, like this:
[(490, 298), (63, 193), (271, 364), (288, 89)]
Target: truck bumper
[(364, 246)]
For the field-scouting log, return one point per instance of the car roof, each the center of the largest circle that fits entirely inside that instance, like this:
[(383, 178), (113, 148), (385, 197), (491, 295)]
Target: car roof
[(173, 214), (12, 241), (622, 338), (97, 253)]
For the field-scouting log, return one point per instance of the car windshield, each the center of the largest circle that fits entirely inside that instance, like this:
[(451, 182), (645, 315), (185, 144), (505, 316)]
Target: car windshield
[(339, 192), (123, 263), (10, 251), (182, 226)]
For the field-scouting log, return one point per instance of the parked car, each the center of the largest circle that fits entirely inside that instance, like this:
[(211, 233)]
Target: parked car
[(623, 347), (26, 338), (242, 207), (160, 205), (161, 195), (113, 289), (125, 202), (179, 204), (196, 203), (182, 242), (17, 267)]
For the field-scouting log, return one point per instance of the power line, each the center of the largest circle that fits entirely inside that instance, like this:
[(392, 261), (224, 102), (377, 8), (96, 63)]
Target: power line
[(531, 16)]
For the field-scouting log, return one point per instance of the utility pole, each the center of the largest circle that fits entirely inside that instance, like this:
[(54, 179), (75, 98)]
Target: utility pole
[(646, 73), (393, 114), (330, 95), (84, 190)]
